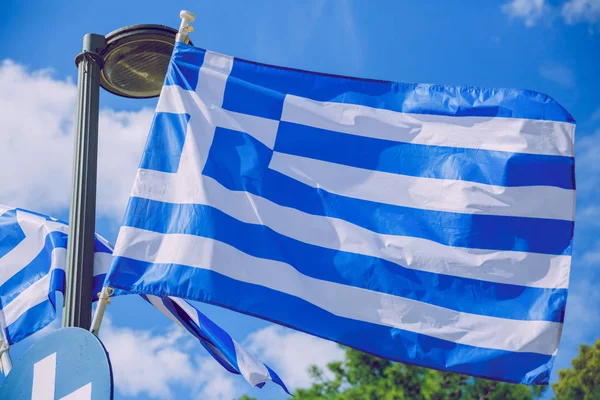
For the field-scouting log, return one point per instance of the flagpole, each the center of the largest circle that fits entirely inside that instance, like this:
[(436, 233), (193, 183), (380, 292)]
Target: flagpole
[(187, 17), (103, 301)]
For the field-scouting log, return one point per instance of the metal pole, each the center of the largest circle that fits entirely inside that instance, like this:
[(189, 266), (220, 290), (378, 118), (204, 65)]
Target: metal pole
[(80, 247), (5, 361)]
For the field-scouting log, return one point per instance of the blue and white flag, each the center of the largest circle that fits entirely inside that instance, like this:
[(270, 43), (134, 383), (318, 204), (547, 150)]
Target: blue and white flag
[(33, 252), (425, 224), (230, 354), (32, 268)]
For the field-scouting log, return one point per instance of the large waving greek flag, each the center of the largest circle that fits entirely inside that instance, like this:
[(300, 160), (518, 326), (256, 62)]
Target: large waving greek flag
[(32, 269), (421, 223)]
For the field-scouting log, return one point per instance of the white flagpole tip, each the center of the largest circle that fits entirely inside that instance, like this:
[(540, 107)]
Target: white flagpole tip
[(187, 17)]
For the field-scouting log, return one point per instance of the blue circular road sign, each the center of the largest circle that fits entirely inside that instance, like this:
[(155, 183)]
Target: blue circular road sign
[(67, 364)]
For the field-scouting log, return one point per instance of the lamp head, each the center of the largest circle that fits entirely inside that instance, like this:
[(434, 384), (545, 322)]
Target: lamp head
[(136, 59)]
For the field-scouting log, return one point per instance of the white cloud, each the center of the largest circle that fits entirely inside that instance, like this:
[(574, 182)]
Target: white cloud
[(145, 364), (559, 74), (592, 257), (582, 315), (291, 353), (164, 365), (571, 11), (587, 167), (531, 11), (37, 116), (219, 384), (574, 11)]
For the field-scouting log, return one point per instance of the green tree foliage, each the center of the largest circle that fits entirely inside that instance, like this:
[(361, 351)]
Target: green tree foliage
[(364, 377), (583, 380)]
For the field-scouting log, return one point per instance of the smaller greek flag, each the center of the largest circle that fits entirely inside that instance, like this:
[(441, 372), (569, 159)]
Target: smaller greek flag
[(33, 250)]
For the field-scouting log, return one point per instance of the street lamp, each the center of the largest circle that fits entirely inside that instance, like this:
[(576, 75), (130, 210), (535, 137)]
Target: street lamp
[(130, 62), (136, 60)]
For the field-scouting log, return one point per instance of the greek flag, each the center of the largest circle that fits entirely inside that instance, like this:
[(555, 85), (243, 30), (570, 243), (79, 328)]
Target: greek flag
[(33, 252), (420, 223), (32, 268)]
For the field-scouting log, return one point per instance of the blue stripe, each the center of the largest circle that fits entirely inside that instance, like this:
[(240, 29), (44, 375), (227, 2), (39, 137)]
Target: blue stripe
[(98, 284), (31, 321), (58, 278), (474, 165), (219, 338), (184, 67), (239, 162), (207, 333), (391, 343), (11, 233), (165, 142), (276, 379), (100, 247), (460, 294), (39, 316), (198, 333), (259, 89)]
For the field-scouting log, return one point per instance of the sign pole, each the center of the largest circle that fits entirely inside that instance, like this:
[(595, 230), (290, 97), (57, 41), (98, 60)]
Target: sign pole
[(80, 247), (5, 360)]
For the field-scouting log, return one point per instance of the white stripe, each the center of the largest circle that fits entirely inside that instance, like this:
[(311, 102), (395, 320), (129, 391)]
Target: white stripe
[(101, 263), (426, 193), (44, 378), (342, 300), (175, 99), (517, 268), (501, 134), (254, 371), (36, 293), (212, 79)]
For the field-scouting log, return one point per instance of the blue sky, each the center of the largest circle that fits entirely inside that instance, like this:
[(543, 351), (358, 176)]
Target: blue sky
[(549, 46)]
